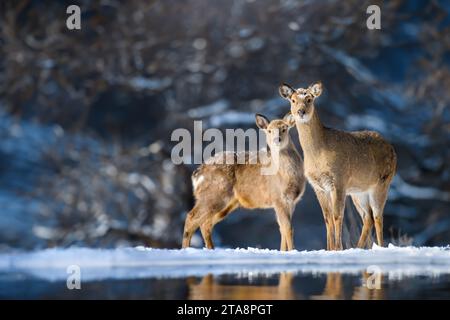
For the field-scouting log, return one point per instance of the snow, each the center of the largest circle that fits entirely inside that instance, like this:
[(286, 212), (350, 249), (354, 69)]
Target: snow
[(141, 262)]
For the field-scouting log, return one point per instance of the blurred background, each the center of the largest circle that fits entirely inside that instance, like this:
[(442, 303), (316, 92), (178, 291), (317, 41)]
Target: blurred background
[(86, 115)]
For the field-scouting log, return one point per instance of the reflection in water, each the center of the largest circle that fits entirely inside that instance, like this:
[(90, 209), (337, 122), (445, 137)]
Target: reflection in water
[(370, 288), (287, 285), (209, 288), (333, 288)]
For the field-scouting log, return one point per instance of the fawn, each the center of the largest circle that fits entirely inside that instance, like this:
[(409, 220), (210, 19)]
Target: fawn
[(338, 163), (220, 188)]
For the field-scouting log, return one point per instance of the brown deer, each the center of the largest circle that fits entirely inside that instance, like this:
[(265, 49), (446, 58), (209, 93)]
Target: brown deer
[(220, 188), (339, 163)]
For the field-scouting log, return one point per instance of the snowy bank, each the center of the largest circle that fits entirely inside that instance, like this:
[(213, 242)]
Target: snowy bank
[(140, 262)]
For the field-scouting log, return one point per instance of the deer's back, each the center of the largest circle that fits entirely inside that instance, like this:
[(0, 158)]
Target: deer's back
[(359, 159), (246, 181), (220, 174)]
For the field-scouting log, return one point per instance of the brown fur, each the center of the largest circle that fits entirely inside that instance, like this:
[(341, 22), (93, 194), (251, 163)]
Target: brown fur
[(221, 188), (339, 163)]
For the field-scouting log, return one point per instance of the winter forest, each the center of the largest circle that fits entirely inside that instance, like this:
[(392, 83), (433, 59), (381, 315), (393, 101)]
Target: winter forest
[(86, 115)]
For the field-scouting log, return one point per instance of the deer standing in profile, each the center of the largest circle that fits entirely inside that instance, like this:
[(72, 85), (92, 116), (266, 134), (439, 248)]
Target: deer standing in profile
[(339, 163), (220, 188)]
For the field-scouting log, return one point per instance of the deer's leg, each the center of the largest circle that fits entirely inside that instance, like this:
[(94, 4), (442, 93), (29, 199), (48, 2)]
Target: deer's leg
[(193, 220), (231, 206), (324, 202), (338, 205), (362, 205), (377, 201), (207, 227), (379, 228), (284, 214), (206, 230), (365, 232), (283, 244)]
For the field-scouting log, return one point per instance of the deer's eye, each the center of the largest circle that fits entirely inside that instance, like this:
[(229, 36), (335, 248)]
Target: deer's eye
[(308, 100), (270, 131)]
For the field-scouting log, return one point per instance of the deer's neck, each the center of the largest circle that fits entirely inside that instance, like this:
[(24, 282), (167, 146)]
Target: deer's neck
[(311, 134), (287, 160)]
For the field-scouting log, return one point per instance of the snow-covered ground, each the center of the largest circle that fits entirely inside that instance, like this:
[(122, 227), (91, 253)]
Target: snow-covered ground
[(140, 262)]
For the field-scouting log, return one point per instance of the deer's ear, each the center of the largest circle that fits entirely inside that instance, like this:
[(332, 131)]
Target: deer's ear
[(261, 121), (286, 91), (316, 89), (289, 119)]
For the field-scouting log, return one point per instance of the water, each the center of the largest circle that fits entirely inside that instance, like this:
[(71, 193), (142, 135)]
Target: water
[(146, 273), (285, 285)]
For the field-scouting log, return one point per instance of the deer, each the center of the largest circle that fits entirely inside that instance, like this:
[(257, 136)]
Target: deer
[(359, 164), (220, 188)]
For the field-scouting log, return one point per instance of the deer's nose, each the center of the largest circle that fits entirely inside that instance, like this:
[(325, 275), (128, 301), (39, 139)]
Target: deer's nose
[(301, 113), (277, 140)]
